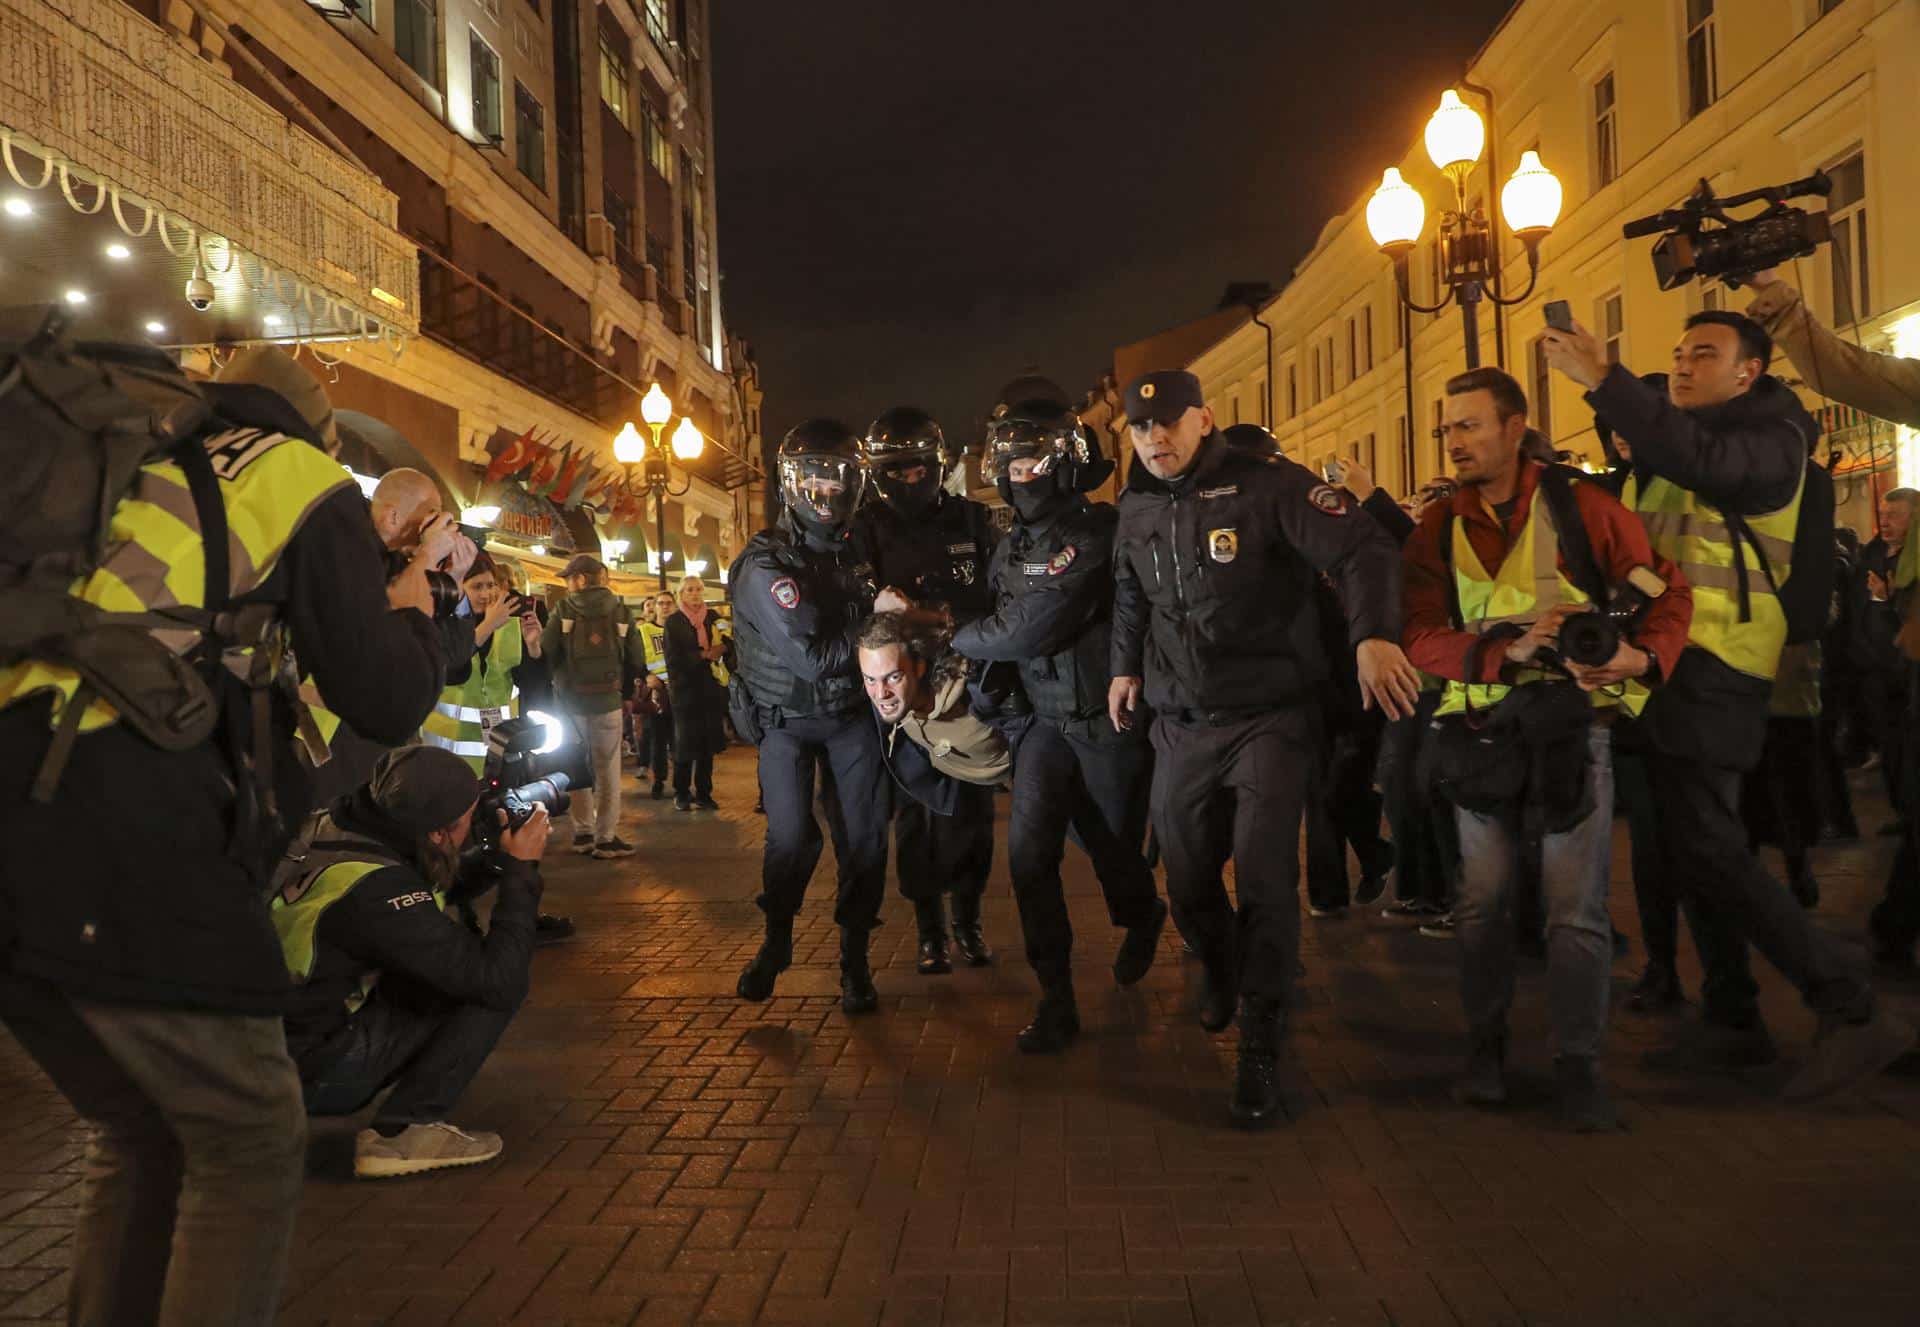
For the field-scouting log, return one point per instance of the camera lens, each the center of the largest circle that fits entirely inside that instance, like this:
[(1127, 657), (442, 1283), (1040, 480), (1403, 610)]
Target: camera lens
[(1589, 639)]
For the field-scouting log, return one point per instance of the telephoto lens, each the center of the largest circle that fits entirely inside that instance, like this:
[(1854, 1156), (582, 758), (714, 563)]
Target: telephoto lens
[(1590, 639), (519, 803), (446, 593)]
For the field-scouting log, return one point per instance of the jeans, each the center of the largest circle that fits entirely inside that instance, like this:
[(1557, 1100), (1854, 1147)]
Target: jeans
[(427, 1047), (196, 1152), (596, 810), (1236, 790), (1573, 877)]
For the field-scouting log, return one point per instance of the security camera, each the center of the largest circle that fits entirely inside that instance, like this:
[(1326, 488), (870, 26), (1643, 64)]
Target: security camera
[(199, 292)]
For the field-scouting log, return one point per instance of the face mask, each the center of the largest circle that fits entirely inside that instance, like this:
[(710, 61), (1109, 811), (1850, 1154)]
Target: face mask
[(1037, 497), (911, 499)]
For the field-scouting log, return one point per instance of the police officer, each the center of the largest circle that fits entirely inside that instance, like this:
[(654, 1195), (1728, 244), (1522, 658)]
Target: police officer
[(1214, 620), (137, 962), (798, 592), (929, 549), (1052, 581)]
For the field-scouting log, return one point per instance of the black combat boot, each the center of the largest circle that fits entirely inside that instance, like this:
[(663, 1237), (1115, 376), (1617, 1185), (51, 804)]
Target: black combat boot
[(1485, 1081), (931, 917), (1219, 986), (1256, 1086), (966, 932), (1055, 1023), (857, 995), (1137, 950), (776, 952)]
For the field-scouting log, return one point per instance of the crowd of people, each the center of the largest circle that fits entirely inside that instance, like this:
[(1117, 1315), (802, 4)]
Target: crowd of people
[(311, 741)]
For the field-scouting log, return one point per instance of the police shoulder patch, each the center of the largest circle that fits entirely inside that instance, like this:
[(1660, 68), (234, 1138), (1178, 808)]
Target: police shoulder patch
[(1061, 560), (786, 592), (1328, 499)]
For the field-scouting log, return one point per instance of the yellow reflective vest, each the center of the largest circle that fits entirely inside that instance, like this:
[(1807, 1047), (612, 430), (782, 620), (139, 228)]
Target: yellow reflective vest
[(468, 710), (653, 637), (269, 483), (1692, 532), (296, 912), (1528, 584)]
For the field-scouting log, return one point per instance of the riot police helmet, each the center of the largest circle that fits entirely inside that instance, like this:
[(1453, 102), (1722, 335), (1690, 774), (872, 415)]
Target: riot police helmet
[(1047, 432), (821, 479), (907, 458)]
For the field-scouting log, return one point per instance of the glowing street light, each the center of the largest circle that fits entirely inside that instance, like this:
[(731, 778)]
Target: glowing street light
[(687, 441)]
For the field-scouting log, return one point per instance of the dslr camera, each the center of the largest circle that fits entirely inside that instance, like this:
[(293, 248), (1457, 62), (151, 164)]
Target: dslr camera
[(1592, 639), (1699, 239), (525, 769), (446, 591)]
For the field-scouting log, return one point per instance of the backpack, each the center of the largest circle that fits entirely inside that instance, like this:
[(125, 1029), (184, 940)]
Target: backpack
[(595, 659), (1807, 598), (78, 420)]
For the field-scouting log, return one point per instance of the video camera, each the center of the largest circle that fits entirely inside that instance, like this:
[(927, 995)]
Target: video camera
[(1734, 249), (1592, 639)]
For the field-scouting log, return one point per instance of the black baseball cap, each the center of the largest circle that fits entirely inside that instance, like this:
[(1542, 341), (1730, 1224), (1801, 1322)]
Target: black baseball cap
[(582, 564), (1163, 397)]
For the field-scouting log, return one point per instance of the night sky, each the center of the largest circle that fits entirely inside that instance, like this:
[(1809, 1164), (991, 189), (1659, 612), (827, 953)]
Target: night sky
[(913, 209)]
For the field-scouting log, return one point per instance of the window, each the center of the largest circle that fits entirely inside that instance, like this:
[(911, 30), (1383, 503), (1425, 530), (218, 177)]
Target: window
[(1366, 453), (413, 26), (1366, 334), (363, 10), (659, 22), (1439, 436), (653, 135), (1847, 214), (529, 136), (1703, 73), (1542, 392), (1404, 437), (619, 217), (485, 64), (1353, 349), (1260, 390), (1613, 325), (1828, 6), (615, 79), (1315, 399), (1712, 297), (1330, 381), (1606, 130), (1293, 390)]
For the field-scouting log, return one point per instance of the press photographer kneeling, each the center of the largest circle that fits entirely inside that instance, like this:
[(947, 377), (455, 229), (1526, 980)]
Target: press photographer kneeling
[(1501, 587), (402, 994)]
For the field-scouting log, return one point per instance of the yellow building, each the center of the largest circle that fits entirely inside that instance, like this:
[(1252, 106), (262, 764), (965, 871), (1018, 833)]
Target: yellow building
[(1631, 103)]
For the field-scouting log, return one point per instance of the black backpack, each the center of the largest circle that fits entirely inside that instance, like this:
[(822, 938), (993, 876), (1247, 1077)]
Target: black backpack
[(1807, 597), (78, 420)]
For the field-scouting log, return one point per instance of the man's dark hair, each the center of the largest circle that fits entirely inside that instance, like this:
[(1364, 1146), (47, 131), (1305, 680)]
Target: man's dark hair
[(1508, 399), (1754, 341), (883, 629)]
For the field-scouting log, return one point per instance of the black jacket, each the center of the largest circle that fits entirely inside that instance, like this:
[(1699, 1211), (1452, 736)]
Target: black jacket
[(938, 560), (699, 703), (123, 889), (1052, 614), (795, 609), (388, 924), (1746, 456), (1213, 582)]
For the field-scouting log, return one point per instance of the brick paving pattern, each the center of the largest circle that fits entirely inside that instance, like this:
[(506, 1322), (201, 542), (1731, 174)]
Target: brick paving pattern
[(674, 1156)]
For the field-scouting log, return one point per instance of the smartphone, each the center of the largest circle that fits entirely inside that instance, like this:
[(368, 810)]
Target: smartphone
[(1333, 471), (1559, 315)]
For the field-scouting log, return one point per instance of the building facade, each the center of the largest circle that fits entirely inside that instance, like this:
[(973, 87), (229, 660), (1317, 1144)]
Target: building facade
[(1631, 103), (541, 177)]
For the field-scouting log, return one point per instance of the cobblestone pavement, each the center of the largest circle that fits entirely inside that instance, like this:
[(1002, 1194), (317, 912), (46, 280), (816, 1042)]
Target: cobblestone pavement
[(675, 1156)]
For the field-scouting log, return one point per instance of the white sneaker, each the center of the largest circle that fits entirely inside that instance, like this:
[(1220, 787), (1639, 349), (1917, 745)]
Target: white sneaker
[(420, 1148)]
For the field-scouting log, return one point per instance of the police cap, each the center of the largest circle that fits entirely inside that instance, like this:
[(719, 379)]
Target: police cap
[(1162, 397)]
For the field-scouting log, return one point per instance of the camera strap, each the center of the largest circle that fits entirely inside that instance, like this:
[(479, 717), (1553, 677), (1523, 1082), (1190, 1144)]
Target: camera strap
[(1576, 546)]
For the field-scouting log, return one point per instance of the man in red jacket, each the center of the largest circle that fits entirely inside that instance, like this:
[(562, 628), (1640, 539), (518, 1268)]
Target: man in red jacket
[(1490, 578)]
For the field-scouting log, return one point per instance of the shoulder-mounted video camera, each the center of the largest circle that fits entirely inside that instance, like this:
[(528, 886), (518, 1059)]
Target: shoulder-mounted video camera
[(1699, 239)]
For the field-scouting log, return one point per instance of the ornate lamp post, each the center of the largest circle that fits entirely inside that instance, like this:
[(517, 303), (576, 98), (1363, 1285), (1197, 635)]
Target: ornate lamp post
[(629, 449), (1529, 202)]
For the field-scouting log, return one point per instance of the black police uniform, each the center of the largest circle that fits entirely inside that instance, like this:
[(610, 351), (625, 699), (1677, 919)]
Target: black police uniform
[(796, 600), (1052, 581), (1213, 605), (939, 559)]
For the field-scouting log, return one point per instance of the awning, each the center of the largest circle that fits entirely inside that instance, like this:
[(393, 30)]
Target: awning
[(372, 447), (132, 167)]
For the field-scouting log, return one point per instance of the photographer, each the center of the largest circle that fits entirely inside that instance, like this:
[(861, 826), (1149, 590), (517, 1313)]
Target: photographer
[(1719, 463), (1491, 577), (395, 992), (487, 687)]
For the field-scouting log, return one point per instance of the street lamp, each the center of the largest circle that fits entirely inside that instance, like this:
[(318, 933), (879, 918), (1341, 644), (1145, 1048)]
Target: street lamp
[(629, 449), (1529, 202)]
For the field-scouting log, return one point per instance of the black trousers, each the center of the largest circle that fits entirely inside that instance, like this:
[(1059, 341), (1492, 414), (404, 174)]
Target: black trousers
[(1896, 919), (1734, 900), (693, 778), (426, 1047), (1656, 896), (1426, 843), (1343, 809), (657, 744), (1077, 775), (1237, 790), (1781, 796), (935, 854), (850, 747)]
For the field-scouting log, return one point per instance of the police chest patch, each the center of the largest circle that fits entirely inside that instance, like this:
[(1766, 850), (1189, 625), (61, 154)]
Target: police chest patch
[(968, 547), (1033, 568), (1061, 561), (1223, 545), (1329, 500), (786, 592), (1225, 491)]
